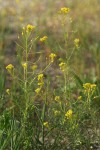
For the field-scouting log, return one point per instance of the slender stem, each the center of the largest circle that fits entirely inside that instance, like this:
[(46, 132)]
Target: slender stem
[(65, 84)]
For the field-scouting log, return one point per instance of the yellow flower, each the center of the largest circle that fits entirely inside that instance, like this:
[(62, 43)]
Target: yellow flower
[(56, 112), (69, 114), (52, 57), (9, 67), (64, 10), (34, 67), (24, 65), (62, 66), (93, 86), (79, 98), (89, 88), (8, 91), (76, 42), (46, 124), (43, 39), (41, 83), (40, 77), (57, 98), (87, 85), (29, 28), (37, 90)]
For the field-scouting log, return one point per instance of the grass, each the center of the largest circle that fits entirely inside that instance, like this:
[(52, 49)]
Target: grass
[(50, 89)]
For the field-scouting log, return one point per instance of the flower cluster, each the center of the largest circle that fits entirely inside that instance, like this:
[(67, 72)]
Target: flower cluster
[(28, 28), (69, 114), (38, 90), (40, 83), (24, 65), (8, 91), (76, 42), (46, 124), (62, 66), (64, 10), (56, 112), (40, 77), (34, 67), (9, 67), (57, 98), (89, 88), (43, 39), (52, 57), (79, 98), (40, 80)]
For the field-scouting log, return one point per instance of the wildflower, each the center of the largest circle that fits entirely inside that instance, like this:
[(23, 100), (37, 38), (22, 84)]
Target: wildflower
[(57, 98), (37, 90), (76, 42), (79, 98), (40, 77), (9, 67), (29, 28), (52, 57), (89, 88), (62, 66), (8, 91), (24, 65), (64, 10), (56, 112), (69, 114), (93, 86), (41, 83), (34, 67), (46, 124), (43, 39)]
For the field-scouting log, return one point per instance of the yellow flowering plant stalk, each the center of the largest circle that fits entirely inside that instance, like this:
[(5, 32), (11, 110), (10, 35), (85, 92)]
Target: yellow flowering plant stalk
[(89, 90), (65, 64), (33, 84), (76, 43), (23, 78)]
